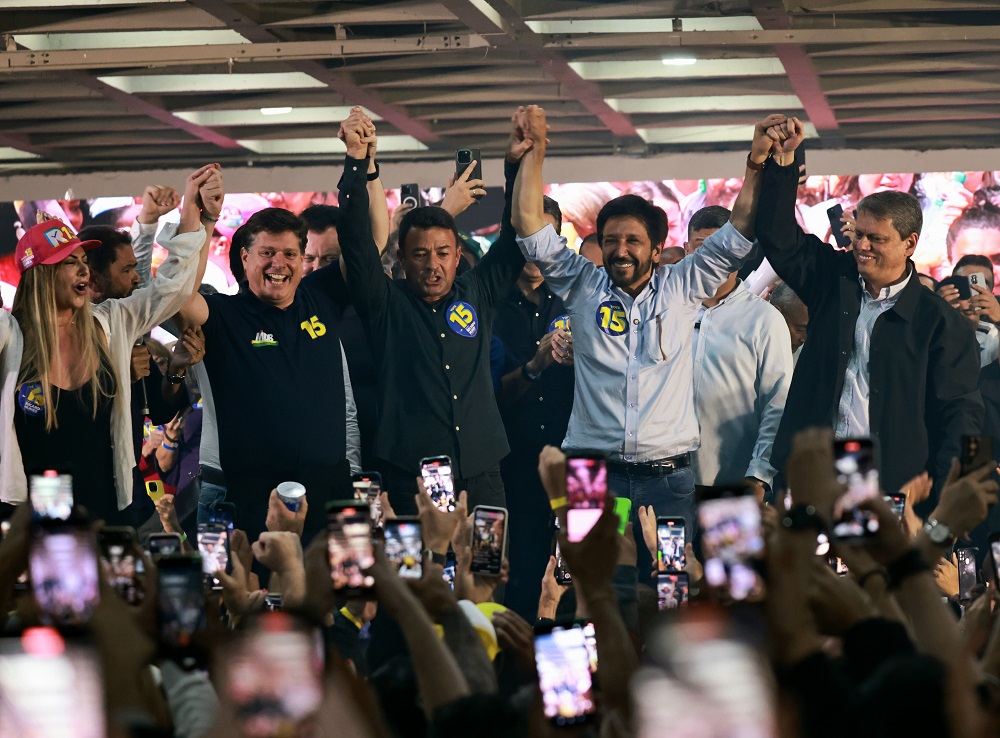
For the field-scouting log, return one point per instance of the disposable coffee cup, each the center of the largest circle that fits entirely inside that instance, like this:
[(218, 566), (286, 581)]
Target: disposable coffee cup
[(291, 493)]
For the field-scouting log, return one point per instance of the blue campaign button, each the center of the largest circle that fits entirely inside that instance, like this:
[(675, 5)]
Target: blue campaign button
[(31, 400), (611, 318), (462, 319), (561, 322)]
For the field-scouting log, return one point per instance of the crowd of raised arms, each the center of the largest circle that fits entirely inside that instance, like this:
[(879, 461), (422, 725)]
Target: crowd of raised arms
[(392, 489)]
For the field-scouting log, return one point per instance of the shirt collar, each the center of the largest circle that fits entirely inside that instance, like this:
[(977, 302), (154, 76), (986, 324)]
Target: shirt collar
[(890, 292), (738, 290), (257, 306)]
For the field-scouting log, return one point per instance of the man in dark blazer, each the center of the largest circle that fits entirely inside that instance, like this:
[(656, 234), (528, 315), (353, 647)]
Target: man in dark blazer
[(885, 358)]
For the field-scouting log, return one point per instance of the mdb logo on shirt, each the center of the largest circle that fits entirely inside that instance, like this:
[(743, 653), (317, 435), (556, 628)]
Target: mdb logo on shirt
[(561, 322), (611, 318), (30, 399), (462, 319), (263, 339)]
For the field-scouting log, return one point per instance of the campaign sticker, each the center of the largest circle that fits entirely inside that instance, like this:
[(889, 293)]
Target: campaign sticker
[(31, 400), (611, 318), (561, 322), (462, 319)]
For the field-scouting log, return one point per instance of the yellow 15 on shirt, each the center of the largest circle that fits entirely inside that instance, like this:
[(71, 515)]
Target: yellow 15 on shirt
[(313, 327)]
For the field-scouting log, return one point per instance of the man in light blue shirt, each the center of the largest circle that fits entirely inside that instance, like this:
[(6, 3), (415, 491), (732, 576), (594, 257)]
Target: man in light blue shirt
[(632, 330)]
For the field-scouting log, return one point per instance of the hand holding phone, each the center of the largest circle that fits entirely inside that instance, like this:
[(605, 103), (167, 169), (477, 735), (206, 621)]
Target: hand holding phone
[(489, 540), (563, 664), (671, 538), (586, 494), (856, 467), (732, 538), (404, 546), (438, 482), (349, 548), (836, 214)]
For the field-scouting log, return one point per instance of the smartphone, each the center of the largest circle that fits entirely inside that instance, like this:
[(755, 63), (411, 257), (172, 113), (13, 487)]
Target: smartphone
[(404, 546), (181, 608), (731, 538), (118, 559), (967, 575), (62, 560), (489, 540), (272, 673), (164, 544), (463, 158), (839, 567), (213, 547), (995, 554), (976, 279), (563, 664), (409, 194), (561, 572), (368, 488), (977, 452), (670, 537), (436, 473), (623, 509), (835, 214), (450, 568), (897, 502), (672, 590), (52, 685), (962, 284), (856, 466), (51, 495), (223, 513), (586, 493), (349, 548)]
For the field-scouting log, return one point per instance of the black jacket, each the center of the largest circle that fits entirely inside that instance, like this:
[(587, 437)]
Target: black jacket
[(924, 362)]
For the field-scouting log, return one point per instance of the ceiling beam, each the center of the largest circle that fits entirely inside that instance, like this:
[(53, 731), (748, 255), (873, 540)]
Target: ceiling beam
[(499, 22), (341, 83), (799, 68)]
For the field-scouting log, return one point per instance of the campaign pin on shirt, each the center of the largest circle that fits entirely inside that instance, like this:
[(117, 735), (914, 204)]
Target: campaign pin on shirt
[(462, 319), (561, 322), (31, 400), (611, 318)]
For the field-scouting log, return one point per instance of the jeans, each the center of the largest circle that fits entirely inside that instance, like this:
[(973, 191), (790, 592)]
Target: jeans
[(210, 494), (671, 495)]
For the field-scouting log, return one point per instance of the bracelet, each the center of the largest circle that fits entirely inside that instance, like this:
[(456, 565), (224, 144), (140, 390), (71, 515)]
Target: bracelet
[(435, 557), (751, 164), (168, 438), (910, 563), (168, 447), (374, 175), (558, 502), (184, 537), (879, 570), (210, 220), (175, 378)]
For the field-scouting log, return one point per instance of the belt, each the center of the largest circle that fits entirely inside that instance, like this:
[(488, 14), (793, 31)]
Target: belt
[(658, 468), (212, 475)]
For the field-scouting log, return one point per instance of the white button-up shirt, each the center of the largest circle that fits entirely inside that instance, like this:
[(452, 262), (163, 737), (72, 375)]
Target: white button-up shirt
[(634, 395), (853, 419), (742, 370)]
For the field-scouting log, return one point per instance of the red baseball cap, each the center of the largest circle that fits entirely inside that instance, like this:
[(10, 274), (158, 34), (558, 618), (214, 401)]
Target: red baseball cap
[(48, 243)]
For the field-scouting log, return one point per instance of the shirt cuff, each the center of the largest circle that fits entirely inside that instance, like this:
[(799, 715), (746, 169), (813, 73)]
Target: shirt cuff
[(143, 229), (355, 172), (545, 242)]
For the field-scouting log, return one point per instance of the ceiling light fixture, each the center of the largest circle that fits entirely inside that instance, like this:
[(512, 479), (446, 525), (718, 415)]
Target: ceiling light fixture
[(275, 111), (680, 61)]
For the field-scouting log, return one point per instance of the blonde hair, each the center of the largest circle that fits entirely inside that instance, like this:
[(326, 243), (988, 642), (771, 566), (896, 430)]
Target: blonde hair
[(35, 310)]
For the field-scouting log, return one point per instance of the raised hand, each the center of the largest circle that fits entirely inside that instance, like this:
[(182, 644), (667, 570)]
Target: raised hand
[(462, 192), (438, 527), (189, 350), (787, 138), (985, 304), (212, 193), (966, 501), (191, 207), (157, 201), (357, 132), (280, 518), (763, 140), (519, 142)]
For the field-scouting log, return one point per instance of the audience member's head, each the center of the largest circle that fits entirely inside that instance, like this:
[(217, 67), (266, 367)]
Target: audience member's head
[(976, 231), (590, 248), (322, 242), (794, 311), (928, 281), (112, 264), (429, 251), (703, 224)]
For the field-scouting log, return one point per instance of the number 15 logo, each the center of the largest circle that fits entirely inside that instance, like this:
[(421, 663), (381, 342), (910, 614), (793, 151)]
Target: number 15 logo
[(313, 327)]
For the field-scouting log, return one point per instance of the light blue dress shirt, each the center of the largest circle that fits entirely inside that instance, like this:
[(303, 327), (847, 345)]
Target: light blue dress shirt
[(634, 395)]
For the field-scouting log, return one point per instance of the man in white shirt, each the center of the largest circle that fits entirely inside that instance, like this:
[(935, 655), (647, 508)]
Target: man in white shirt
[(795, 313), (742, 369)]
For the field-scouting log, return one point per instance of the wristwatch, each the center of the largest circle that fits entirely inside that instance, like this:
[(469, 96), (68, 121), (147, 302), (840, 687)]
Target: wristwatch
[(435, 557), (939, 533)]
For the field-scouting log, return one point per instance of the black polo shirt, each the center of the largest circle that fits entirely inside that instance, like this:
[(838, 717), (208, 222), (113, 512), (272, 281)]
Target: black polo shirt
[(277, 376), (539, 417), (435, 390)]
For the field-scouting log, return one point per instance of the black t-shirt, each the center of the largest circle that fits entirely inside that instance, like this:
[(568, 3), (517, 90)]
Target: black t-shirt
[(277, 376), (540, 416)]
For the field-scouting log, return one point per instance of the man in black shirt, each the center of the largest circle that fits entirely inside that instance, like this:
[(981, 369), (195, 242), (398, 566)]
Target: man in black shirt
[(535, 398), (283, 401), (430, 333)]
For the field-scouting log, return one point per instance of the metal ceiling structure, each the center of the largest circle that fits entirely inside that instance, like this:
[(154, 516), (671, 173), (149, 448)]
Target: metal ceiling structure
[(99, 85)]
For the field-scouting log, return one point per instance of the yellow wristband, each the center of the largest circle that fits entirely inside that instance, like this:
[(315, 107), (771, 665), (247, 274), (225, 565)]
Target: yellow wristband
[(350, 616), (558, 502)]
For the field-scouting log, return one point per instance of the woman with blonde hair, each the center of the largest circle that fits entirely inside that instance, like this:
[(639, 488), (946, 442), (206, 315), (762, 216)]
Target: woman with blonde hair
[(65, 362)]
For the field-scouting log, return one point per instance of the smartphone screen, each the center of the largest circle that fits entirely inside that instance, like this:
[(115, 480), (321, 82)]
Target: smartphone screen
[(731, 538), (64, 577), (489, 538), (854, 460), (404, 546), (52, 686), (839, 567), (586, 494), (213, 547), (670, 537), (118, 561), (672, 590), (977, 452), (436, 473), (164, 544), (222, 513), (590, 641), (563, 664), (368, 489), (967, 578), (450, 566), (897, 502), (273, 674), (349, 546), (52, 495), (181, 605)]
